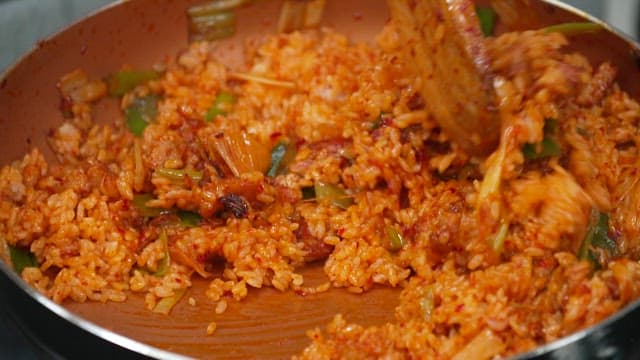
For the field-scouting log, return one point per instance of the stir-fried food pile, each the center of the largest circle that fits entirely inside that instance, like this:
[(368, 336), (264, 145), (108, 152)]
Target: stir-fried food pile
[(324, 150)]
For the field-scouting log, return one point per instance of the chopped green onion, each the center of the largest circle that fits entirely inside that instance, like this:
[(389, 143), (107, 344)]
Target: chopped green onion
[(548, 147), (140, 202), (597, 236), (140, 113), (333, 194), (487, 18), (281, 155), (165, 262), (427, 303), (212, 26), (221, 105), (497, 242), (165, 305), (22, 258), (379, 121), (180, 174), (126, 80), (189, 218), (308, 193), (396, 241), (574, 28), (214, 7)]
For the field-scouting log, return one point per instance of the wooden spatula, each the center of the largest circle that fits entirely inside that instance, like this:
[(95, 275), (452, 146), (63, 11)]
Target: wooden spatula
[(444, 46)]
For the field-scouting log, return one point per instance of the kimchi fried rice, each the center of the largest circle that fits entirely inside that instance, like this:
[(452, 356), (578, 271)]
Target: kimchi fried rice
[(323, 149)]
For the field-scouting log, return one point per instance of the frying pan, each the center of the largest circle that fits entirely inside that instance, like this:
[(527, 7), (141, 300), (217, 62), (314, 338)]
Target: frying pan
[(268, 323)]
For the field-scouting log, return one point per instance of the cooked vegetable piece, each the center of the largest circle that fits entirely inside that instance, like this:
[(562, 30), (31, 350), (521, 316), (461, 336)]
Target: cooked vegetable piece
[(126, 80), (212, 26), (140, 202), (22, 258), (574, 28), (281, 155), (262, 80), (396, 241), (499, 237), (296, 14), (379, 121), (221, 105), (487, 18), (165, 262), (333, 194), (189, 218), (241, 152), (180, 174), (140, 113), (213, 7), (597, 238), (165, 305), (548, 147)]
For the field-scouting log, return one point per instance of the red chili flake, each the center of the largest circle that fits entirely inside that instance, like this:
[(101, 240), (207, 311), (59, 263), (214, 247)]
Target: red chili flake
[(341, 231), (275, 135), (459, 307)]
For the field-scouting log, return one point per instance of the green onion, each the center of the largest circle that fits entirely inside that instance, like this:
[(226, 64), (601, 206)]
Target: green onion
[(497, 242), (140, 202), (487, 18), (214, 7), (333, 194), (165, 262), (189, 218), (597, 237), (165, 305), (221, 105), (379, 121), (22, 258), (427, 303), (548, 147), (140, 113), (180, 174), (281, 155), (574, 28), (212, 26), (126, 80), (396, 241)]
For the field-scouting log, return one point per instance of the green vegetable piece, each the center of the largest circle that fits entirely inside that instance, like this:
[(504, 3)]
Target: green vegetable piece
[(126, 80), (487, 18), (165, 262), (180, 174), (140, 202), (22, 258), (333, 194), (379, 121), (498, 239), (213, 26), (396, 241), (281, 155), (597, 237), (165, 305), (548, 147), (308, 193), (189, 218), (140, 113), (214, 7), (221, 105), (574, 28)]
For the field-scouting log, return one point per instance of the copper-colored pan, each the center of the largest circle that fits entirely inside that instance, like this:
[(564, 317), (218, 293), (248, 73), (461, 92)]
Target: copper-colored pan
[(268, 324)]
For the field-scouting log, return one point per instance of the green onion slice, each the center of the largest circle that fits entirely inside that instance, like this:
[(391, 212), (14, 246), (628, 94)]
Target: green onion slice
[(333, 194), (140, 202), (189, 218), (22, 258), (396, 241), (574, 28), (597, 238), (165, 305), (126, 80), (221, 105), (165, 262), (548, 147), (140, 113), (487, 18), (180, 174), (281, 155), (213, 7)]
